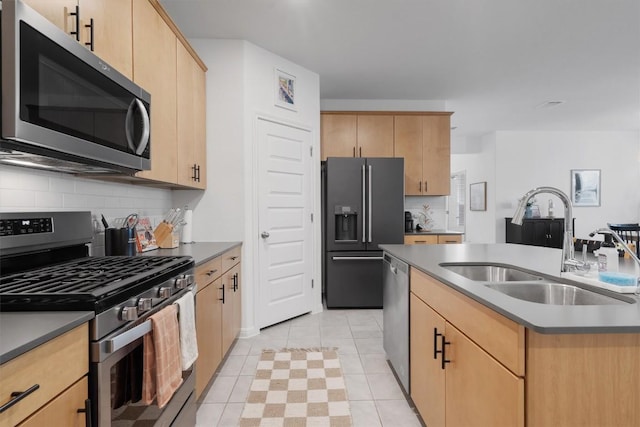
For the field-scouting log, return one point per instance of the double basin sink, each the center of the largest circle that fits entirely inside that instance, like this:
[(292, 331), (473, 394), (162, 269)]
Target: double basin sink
[(533, 287)]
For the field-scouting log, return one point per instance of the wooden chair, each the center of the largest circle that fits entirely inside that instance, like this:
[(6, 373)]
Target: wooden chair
[(630, 233)]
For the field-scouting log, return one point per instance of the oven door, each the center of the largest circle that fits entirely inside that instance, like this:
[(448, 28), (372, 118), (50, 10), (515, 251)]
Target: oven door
[(116, 386), (61, 100)]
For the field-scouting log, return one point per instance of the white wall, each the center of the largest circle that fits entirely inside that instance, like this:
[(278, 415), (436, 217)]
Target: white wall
[(512, 163), (241, 88), (31, 190), (480, 166)]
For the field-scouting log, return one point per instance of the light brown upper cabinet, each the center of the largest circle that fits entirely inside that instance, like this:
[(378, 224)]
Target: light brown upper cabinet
[(104, 26), (356, 135), (190, 112), (424, 141), (154, 47)]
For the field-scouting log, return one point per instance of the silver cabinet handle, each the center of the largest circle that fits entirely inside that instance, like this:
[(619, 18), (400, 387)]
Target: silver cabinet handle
[(364, 206), (357, 258), (370, 210), (264, 234)]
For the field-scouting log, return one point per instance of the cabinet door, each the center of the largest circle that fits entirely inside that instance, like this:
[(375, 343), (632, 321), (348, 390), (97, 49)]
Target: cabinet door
[(449, 238), (57, 11), (338, 135), (63, 410), (436, 155), (154, 47), (408, 145), (228, 325), (208, 327), (479, 390), (237, 300), (190, 120), (555, 230), (112, 31), (375, 136), (421, 239), (426, 374)]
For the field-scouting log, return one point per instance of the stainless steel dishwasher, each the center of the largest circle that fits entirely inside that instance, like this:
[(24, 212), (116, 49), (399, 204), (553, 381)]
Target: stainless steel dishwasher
[(395, 313)]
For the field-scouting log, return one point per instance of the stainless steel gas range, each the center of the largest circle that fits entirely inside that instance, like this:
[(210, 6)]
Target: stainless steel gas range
[(45, 267)]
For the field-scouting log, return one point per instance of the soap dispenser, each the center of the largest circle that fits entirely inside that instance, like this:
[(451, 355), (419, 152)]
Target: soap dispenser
[(607, 255)]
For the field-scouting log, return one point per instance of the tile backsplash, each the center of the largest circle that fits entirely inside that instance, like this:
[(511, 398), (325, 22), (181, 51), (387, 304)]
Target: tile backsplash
[(31, 190), (434, 218)]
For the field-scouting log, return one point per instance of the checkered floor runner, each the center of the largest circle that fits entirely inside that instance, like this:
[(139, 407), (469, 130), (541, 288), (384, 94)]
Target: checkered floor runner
[(297, 388)]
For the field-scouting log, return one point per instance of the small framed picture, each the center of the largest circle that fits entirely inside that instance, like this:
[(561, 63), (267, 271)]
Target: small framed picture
[(285, 90), (478, 196), (585, 187)]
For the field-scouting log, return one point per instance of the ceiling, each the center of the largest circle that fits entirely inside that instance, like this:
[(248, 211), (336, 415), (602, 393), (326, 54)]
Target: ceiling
[(495, 63)]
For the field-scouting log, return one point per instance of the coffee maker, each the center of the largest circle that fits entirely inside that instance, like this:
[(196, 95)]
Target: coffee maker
[(408, 222)]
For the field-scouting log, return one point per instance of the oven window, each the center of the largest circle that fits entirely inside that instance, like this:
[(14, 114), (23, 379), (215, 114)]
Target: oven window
[(60, 92)]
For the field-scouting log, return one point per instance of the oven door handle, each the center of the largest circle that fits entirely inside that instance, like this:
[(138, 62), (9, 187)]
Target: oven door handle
[(128, 337)]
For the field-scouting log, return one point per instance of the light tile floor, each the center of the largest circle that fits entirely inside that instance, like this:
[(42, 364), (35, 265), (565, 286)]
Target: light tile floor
[(375, 397)]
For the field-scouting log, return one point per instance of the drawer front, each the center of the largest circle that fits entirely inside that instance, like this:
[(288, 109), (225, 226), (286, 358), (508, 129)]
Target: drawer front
[(63, 410), (230, 258), (208, 272), (426, 239), (54, 366), (501, 337), (449, 238)]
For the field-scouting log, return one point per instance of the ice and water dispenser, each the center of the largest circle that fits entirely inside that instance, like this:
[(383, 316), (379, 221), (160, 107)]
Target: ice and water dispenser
[(346, 221)]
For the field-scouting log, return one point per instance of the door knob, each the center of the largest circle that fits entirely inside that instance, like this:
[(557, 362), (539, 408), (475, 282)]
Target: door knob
[(264, 234)]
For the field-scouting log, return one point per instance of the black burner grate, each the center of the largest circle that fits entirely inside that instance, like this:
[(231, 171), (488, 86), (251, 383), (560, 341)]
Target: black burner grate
[(89, 279)]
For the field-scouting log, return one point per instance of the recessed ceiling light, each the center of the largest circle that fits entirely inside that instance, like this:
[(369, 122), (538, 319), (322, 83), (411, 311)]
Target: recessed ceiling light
[(550, 104)]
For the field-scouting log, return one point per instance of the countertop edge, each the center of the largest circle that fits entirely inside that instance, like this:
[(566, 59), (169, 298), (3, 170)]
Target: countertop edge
[(54, 325)]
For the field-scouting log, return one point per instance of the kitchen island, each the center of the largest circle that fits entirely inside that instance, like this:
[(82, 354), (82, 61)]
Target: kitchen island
[(480, 357)]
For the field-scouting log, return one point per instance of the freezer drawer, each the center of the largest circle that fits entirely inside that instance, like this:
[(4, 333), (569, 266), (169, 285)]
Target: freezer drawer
[(354, 279)]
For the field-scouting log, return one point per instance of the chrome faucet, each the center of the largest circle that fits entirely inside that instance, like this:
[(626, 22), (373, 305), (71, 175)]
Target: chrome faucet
[(568, 260), (622, 243)]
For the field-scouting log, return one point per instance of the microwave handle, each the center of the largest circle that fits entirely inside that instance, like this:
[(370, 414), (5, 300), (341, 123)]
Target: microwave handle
[(144, 139)]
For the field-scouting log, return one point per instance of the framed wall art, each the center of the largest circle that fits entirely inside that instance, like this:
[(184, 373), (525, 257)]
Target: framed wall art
[(478, 196), (285, 90), (585, 187)]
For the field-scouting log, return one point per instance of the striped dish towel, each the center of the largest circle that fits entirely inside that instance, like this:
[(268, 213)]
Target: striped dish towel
[(162, 373)]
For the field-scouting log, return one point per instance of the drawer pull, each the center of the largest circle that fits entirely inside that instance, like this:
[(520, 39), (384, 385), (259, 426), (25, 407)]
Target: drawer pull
[(17, 396), (211, 272), (87, 412), (233, 258), (444, 360)]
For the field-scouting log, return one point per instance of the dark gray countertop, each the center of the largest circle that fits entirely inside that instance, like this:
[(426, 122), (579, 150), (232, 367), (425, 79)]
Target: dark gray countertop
[(200, 251), (543, 318), (21, 332)]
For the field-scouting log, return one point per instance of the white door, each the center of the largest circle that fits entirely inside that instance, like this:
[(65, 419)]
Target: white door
[(285, 228)]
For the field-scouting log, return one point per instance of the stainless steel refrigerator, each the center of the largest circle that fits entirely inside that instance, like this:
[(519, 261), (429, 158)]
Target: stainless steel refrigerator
[(363, 207)]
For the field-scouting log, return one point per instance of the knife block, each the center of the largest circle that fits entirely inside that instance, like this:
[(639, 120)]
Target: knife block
[(166, 237)]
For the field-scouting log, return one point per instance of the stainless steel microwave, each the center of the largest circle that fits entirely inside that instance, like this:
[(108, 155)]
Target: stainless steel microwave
[(64, 108)]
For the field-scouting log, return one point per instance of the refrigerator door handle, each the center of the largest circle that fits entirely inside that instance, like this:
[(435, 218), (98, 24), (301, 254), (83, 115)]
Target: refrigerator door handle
[(370, 210), (356, 258), (364, 206)]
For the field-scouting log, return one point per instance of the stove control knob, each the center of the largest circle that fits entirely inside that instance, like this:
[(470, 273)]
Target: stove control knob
[(145, 304), (164, 292), (184, 281), (129, 313)]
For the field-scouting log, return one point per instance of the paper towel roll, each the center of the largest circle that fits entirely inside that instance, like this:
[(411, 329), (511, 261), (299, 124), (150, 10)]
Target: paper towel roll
[(187, 228)]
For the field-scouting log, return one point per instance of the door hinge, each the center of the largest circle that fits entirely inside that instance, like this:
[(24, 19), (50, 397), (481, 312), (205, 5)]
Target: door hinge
[(311, 217), (311, 151), (311, 283)]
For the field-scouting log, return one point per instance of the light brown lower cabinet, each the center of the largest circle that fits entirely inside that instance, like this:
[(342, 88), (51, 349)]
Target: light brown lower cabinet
[(471, 366), (431, 239), (218, 313), (59, 367)]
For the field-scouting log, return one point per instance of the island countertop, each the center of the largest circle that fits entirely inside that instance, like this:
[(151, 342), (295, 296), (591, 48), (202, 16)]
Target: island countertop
[(542, 318)]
